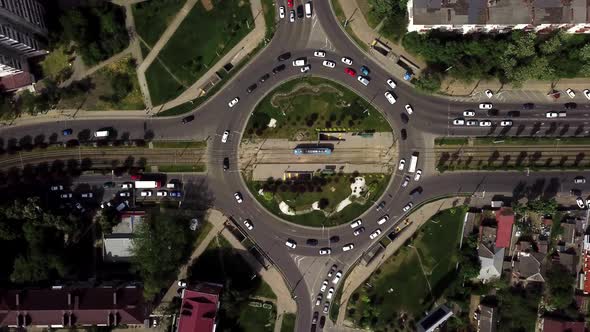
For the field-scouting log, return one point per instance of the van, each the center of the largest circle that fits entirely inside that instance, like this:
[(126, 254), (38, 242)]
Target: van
[(101, 133), (308, 9)]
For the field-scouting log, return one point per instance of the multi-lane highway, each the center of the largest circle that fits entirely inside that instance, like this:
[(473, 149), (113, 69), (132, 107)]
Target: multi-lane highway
[(433, 116)]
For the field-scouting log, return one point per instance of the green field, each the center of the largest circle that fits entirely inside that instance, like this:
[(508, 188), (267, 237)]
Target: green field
[(531, 141), (182, 168), (402, 283), (199, 42), (180, 144), (270, 11), (256, 319), (288, 323), (303, 106), (451, 141), (300, 195), (153, 17)]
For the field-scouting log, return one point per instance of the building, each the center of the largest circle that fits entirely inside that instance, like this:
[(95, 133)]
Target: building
[(70, 307), (529, 267), (117, 245), (505, 220), (487, 319), (465, 16), (491, 262), (198, 311), (554, 325), (435, 319)]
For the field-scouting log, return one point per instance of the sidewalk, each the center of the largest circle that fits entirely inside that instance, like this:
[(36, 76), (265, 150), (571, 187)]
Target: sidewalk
[(361, 272)]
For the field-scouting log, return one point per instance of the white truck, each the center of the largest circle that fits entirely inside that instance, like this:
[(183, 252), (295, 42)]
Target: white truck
[(101, 133), (413, 162), (147, 184)]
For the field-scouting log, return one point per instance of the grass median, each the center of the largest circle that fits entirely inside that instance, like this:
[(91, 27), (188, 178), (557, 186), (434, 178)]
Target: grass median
[(190, 168), (288, 323)]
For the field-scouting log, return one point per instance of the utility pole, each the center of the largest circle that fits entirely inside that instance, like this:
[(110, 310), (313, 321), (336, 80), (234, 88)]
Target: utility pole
[(350, 18)]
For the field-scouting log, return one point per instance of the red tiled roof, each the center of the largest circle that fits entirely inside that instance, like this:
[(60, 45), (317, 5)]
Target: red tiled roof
[(13, 82), (199, 310), (551, 325), (505, 220)]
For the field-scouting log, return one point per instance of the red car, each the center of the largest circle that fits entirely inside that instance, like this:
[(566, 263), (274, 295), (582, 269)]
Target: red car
[(290, 3), (136, 177), (350, 71)]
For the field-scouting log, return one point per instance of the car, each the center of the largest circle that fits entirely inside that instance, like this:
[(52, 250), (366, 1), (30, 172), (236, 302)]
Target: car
[(238, 197), (248, 224), (579, 180), (291, 16), (312, 242), (322, 322), (459, 122), (587, 93), (233, 102), (324, 286), (528, 106), (314, 318), (299, 62), (291, 243), (364, 80), (124, 194), (290, 3), (326, 307), (182, 283), (485, 106), (408, 207), (334, 239), (300, 11), (105, 205), (66, 195), (489, 93), (365, 70), (570, 93), (135, 177), (580, 202), (358, 231), (350, 71), (67, 132), (348, 247), (390, 98), (383, 219), (404, 134), (409, 109), (562, 114), (330, 293), (251, 88), (332, 270), (161, 193), (284, 56), (318, 299), (346, 61), (56, 187), (225, 163), (469, 113), (406, 181), (146, 193), (225, 136), (493, 112), (278, 69), (356, 223), (325, 251), (391, 83), (329, 64), (380, 206), (506, 123), (86, 195), (188, 119), (418, 175), (513, 114), (175, 194), (319, 54), (588, 202), (485, 123), (570, 106), (282, 11), (337, 277), (264, 78), (127, 185), (108, 185), (305, 69), (376, 233), (472, 122), (551, 115), (401, 165), (416, 192)]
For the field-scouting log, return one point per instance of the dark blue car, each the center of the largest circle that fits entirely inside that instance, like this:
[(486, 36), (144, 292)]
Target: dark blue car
[(365, 70), (67, 132)]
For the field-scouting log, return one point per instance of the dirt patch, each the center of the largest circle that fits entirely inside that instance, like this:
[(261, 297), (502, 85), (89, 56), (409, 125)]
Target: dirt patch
[(207, 4)]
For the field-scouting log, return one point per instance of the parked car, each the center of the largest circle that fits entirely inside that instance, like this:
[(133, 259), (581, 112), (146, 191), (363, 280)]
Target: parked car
[(251, 88), (358, 231), (332, 270), (278, 69), (418, 175), (506, 123), (124, 194), (471, 123), (56, 187), (376, 233), (337, 277), (188, 119), (291, 243), (587, 93), (312, 242), (409, 109), (380, 206), (551, 115), (528, 106), (329, 64), (284, 56), (390, 97), (348, 247), (570, 93), (489, 93), (66, 195), (325, 251), (319, 54), (383, 219), (330, 293), (175, 194), (350, 71), (485, 106), (356, 223), (225, 136), (86, 195), (469, 113), (364, 80), (406, 181), (459, 122), (324, 286), (579, 180), (485, 123), (67, 132), (347, 61), (162, 193), (580, 202), (365, 70), (282, 12), (238, 197), (408, 207), (146, 193), (248, 224), (391, 83), (299, 62), (402, 164), (108, 185), (127, 185), (305, 68), (513, 114)]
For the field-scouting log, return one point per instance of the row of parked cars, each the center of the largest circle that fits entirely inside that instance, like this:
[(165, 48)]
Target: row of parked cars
[(337, 275)]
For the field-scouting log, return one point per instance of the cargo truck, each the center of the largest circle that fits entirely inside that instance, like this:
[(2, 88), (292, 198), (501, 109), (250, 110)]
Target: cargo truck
[(147, 184)]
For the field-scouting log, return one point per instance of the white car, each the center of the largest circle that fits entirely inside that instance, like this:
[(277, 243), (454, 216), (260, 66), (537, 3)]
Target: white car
[(233, 102), (383, 219), (409, 109), (348, 247), (406, 181), (580, 202), (337, 277), (570, 93), (56, 188), (225, 136), (588, 201), (459, 122), (418, 175), (122, 194), (408, 206), (485, 123), (506, 123), (305, 69), (319, 54), (299, 63), (324, 286), (562, 114), (347, 61), (292, 16), (329, 64), (489, 93), (318, 300), (146, 193), (391, 83), (161, 193), (402, 164), (472, 123), (282, 11), (87, 195), (356, 223), (66, 195), (126, 185), (485, 106), (326, 307), (390, 97), (551, 115), (291, 244), (105, 204), (181, 283), (325, 251), (375, 234), (248, 224), (238, 197), (365, 81), (468, 113), (330, 293), (587, 93)]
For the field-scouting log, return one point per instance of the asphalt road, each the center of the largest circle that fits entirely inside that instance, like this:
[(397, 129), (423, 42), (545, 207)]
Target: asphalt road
[(432, 117)]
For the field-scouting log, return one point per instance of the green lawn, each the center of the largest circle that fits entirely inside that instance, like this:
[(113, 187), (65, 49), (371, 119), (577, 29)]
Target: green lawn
[(199, 42), (270, 11), (293, 194), (303, 106), (180, 144), (288, 323), (256, 319), (153, 17), (162, 86), (56, 64), (451, 141), (400, 285)]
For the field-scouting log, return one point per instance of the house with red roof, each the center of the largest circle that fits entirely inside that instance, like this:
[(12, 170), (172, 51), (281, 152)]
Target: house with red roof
[(200, 304), (505, 220)]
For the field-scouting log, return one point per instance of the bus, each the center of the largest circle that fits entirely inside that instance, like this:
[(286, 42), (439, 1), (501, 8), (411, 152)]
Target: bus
[(413, 162)]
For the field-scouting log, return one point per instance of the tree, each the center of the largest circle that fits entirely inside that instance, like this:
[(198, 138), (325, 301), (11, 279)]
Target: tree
[(429, 82), (561, 285)]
